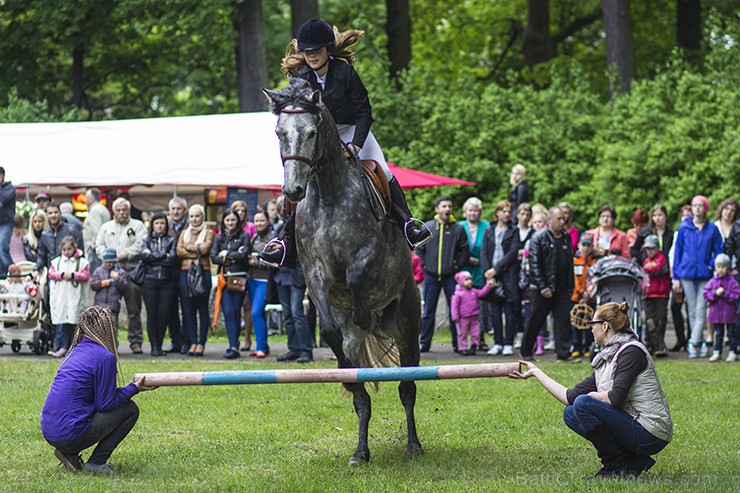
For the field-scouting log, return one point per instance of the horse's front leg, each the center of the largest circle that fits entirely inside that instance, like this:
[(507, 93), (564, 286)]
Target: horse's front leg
[(357, 275)]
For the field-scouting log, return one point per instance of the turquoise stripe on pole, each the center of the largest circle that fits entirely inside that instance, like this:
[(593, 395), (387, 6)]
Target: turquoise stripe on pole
[(329, 375)]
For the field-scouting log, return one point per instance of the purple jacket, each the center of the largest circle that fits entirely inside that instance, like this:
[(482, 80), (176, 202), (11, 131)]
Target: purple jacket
[(110, 295), (465, 301), (722, 309), (85, 384)]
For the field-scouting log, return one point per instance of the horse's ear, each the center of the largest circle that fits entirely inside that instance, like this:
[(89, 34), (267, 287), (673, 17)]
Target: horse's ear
[(271, 95), (316, 97)]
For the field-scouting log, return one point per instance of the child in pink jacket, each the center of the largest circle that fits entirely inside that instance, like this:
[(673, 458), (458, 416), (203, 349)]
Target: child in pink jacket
[(464, 309)]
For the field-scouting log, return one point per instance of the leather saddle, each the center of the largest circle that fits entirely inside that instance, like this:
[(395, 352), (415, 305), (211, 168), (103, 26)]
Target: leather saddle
[(379, 185)]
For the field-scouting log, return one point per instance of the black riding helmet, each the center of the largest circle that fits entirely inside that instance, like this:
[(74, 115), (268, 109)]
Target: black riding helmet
[(314, 34)]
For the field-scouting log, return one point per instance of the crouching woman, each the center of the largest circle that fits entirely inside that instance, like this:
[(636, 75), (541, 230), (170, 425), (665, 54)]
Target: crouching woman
[(84, 407), (621, 407)]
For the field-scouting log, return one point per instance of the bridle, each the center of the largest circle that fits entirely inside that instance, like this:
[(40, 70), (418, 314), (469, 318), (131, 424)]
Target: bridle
[(312, 162)]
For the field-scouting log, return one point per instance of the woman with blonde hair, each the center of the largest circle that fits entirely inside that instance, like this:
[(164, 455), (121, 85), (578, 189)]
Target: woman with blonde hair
[(519, 192), (194, 245), (84, 406), (37, 225), (621, 407)]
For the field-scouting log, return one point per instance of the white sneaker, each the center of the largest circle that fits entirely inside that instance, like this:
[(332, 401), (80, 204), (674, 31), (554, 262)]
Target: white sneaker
[(61, 353), (550, 345), (495, 349), (715, 357), (508, 350), (731, 357), (518, 340)]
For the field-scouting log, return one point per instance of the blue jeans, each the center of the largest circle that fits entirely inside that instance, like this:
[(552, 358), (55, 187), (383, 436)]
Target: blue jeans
[(719, 336), (6, 230), (231, 306), (432, 288), (192, 307), (300, 339), (588, 413), (498, 310), (257, 291), (693, 291)]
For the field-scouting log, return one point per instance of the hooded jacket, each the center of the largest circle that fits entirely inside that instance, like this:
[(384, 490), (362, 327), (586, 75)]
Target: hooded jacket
[(695, 250), (722, 309), (465, 301)]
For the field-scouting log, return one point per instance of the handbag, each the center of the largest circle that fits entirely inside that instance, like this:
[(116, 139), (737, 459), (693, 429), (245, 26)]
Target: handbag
[(196, 280), (497, 294), (138, 274), (236, 284)]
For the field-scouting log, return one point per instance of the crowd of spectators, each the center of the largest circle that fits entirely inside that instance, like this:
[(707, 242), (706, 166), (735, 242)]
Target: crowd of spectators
[(528, 269)]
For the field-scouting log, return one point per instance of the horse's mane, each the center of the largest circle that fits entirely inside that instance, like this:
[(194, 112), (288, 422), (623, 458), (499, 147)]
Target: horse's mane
[(298, 93)]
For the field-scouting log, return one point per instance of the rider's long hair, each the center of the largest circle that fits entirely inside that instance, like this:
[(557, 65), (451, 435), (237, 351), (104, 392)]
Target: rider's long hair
[(341, 48)]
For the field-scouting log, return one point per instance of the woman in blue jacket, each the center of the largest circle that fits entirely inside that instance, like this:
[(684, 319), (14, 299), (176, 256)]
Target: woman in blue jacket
[(698, 242), (84, 406)]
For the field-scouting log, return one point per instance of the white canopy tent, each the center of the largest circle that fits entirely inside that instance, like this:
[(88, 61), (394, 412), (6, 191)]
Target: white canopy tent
[(236, 150)]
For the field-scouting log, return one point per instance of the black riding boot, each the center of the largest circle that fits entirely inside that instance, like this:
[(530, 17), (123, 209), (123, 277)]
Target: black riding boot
[(285, 254), (610, 453), (415, 235)]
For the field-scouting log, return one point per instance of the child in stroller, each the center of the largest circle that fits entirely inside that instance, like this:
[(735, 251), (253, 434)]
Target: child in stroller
[(20, 292)]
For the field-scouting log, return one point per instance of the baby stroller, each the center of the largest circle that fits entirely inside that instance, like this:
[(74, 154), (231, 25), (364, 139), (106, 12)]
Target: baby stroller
[(619, 279), (19, 313)]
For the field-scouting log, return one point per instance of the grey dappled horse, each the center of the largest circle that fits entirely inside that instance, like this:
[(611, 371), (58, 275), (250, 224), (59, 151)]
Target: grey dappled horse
[(358, 269)]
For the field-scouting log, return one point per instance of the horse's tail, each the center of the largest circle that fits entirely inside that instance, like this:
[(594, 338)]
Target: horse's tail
[(378, 350)]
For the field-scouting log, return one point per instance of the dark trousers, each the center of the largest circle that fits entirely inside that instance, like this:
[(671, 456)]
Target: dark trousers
[(158, 299), (195, 309), (178, 336), (656, 313), (132, 298), (107, 430), (559, 304), (231, 306), (678, 320), (498, 309), (432, 287)]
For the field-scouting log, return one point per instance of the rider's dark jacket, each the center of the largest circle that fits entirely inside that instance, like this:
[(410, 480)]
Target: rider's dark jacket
[(345, 97)]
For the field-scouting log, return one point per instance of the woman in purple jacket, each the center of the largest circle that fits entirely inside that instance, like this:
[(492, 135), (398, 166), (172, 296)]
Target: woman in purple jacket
[(84, 407)]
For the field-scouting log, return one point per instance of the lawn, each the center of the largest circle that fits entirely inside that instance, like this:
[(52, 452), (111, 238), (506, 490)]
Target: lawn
[(478, 435)]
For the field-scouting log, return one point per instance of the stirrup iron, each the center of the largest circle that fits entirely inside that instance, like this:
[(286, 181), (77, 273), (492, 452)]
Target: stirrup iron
[(413, 220)]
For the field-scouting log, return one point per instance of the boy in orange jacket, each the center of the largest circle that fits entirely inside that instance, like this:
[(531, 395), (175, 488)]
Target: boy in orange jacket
[(583, 339)]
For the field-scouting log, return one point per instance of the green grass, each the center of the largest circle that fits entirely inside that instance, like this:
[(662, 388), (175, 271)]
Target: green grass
[(478, 435)]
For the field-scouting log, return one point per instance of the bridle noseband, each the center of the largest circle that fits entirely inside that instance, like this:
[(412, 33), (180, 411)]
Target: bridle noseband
[(312, 162)]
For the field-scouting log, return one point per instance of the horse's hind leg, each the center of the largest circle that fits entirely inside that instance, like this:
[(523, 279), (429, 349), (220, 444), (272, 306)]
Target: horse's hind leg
[(361, 401), (409, 321)]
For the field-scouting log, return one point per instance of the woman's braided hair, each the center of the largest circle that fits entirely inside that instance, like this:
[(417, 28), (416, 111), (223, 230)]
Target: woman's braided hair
[(341, 48), (99, 325)]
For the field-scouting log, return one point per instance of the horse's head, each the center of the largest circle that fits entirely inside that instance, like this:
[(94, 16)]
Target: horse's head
[(299, 109)]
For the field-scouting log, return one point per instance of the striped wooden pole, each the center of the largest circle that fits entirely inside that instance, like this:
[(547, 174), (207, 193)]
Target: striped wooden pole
[(344, 375)]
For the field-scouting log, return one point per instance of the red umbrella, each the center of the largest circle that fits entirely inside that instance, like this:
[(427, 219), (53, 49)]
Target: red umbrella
[(411, 178)]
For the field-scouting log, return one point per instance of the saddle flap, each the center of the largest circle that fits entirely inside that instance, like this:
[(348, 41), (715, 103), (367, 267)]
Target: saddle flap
[(375, 173)]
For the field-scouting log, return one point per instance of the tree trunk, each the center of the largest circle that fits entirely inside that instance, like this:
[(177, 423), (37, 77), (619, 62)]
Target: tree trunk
[(78, 80), (301, 11), (398, 27), (619, 48), (251, 64), (537, 46), (688, 23)]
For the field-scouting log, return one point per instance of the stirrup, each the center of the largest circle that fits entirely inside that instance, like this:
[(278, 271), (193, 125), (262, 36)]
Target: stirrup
[(274, 265), (424, 241)]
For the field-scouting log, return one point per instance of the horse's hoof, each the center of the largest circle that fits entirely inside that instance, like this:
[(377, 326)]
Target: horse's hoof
[(358, 460), (413, 450)]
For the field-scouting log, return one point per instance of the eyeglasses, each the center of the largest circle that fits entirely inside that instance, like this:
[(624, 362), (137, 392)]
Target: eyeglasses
[(594, 322)]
